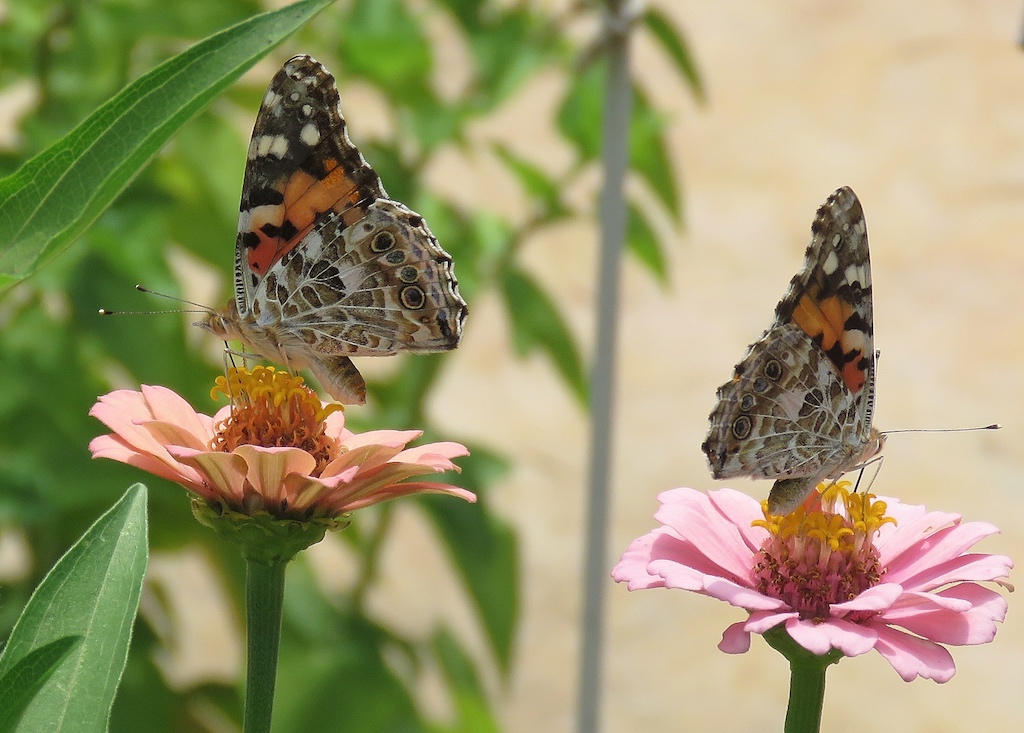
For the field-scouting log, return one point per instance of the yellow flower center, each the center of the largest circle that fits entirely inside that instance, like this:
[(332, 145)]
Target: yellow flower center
[(823, 556), (273, 409)]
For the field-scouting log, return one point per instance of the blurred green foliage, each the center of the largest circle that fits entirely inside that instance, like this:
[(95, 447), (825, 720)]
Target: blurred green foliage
[(57, 355)]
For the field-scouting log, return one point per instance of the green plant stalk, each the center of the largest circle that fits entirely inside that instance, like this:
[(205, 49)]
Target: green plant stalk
[(806, 681), (264, 599), (806, 696)]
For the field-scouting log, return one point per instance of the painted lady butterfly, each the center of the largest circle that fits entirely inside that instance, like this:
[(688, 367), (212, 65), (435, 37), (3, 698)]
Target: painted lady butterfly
[(326, 265), (799, 405)]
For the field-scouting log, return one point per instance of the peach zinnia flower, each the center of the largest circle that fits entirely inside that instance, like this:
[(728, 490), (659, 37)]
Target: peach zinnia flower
[(276, 449), (852, 573)]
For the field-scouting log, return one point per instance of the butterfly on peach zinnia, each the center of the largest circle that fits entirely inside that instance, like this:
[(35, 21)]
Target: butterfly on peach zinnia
[(327, 267)]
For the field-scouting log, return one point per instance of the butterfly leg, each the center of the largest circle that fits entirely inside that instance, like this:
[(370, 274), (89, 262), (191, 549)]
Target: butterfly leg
[(876, 459)]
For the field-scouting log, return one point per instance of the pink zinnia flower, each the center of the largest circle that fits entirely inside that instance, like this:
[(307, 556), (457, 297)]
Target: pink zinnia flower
[(842, 573), (275, 450)]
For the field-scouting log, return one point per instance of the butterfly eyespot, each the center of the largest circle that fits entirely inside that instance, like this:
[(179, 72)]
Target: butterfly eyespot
[(413, 297), (761, 385), (395, 257), (741, 427), (747, 402), (415, 221), (773, 370), (383, 242), (408, 274)]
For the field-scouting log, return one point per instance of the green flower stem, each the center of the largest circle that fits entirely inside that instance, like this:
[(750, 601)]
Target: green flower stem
[(806, 681), (264, 598)]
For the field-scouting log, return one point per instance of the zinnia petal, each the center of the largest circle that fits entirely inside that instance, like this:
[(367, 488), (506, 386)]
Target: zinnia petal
[(268, 468), (390, 438), (116, 448), (947, 543), (876, 598), (692, 515), (632, 567), (224, 474), (914, 657), (735, 639), (849, 638)]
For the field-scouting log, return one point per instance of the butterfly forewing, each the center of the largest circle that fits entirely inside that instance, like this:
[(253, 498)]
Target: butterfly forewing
[(799, 404)]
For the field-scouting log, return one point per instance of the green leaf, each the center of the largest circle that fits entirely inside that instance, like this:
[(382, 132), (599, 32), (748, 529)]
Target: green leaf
[(54, 197), (675, 45), (644, 244), (93, 593), (507, 47), (579, 116), (648, 152), (579, 119), (340, 685), (472, 711), (536, 323), (485, 552), (382, 42), (24, 680), (539, 185)]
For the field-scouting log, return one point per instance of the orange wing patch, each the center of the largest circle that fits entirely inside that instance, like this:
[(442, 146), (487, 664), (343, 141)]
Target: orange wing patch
[(826, 320)]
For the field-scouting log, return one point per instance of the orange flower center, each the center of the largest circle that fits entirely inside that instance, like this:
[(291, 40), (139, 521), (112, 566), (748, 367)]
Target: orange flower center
[(814, 558), (273, 409)]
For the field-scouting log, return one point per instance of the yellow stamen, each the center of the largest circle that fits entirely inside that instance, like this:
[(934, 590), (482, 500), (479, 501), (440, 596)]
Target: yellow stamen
[(823, 552), (273, 409)]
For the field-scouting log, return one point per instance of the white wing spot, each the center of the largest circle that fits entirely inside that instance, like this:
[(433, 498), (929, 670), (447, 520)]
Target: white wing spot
[(279, 146), (831, 263), (271, 98), (310, 135)]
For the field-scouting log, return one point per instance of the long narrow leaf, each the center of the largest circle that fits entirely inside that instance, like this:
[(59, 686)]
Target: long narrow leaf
[(53, 198), (648, 152), (473, 713), (26, 678), (537, 322), (485, 552), (675, 45), (643, 242), (93, 593), (544, 189)]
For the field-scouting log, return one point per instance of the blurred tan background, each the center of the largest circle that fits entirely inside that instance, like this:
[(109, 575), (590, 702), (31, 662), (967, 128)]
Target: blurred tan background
[(919, 106)]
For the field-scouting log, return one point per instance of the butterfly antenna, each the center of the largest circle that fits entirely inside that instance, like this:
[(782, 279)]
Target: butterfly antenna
[(142, 289), (993, 426)]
